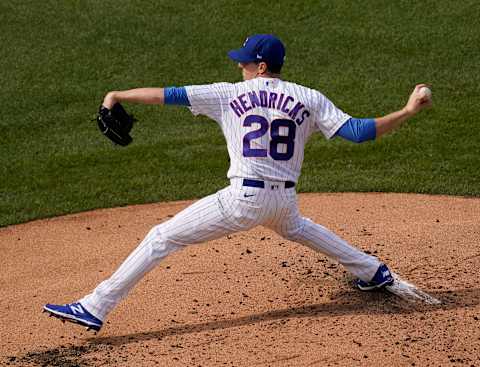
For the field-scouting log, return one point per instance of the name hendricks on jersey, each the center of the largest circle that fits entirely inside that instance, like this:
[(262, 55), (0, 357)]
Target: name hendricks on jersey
[(284, 103)]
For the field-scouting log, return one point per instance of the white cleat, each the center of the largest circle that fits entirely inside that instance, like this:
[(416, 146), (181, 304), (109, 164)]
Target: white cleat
[(410, 292)]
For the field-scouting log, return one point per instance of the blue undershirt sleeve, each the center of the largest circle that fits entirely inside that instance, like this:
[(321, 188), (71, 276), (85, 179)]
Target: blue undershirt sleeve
[(176, 96), (358, 130)]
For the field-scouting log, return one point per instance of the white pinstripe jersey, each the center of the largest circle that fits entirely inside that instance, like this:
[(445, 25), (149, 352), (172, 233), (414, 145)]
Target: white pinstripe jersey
[(266, 123)]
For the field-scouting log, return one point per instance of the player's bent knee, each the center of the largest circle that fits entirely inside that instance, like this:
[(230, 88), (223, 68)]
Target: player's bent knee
[(295, 231), (162, 247), (290, 234), (160, 242), (154, 232)]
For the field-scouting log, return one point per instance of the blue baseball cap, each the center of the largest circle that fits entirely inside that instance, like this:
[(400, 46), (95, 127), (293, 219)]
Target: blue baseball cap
[(261, 47)]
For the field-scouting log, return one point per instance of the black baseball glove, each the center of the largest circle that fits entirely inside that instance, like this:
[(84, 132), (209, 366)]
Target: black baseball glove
[(115, 124)]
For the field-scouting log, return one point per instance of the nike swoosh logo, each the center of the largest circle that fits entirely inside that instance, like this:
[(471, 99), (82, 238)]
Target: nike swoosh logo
[(247, 196)]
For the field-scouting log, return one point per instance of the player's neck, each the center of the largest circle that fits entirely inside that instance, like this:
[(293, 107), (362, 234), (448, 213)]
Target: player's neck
[(269, 75)]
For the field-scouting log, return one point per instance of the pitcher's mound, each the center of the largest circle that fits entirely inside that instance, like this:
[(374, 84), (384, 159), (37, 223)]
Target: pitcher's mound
[(251, 299)]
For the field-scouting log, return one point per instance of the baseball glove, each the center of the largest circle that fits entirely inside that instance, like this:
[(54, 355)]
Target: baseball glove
[(115, 124)]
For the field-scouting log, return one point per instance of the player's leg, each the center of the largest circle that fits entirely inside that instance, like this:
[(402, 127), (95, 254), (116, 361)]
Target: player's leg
[(203, 221), (322, 239), (292, 226)]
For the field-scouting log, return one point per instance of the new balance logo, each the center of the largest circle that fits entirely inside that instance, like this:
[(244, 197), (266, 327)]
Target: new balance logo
[(385, 273), (77, 309)]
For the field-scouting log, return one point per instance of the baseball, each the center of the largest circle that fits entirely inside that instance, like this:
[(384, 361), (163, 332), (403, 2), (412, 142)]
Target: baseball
[(425, 92)]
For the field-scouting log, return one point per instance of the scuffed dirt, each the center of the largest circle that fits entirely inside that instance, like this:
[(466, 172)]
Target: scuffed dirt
[(253, 298)]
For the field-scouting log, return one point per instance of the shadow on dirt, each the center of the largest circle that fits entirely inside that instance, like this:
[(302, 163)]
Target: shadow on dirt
[(345, 302)]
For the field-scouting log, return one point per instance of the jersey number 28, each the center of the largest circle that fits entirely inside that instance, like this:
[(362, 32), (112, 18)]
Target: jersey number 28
[(276, 139)]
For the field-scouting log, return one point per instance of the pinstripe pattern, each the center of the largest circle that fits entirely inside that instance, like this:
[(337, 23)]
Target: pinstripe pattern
[(238, 207), (215, 216), (213, 100)]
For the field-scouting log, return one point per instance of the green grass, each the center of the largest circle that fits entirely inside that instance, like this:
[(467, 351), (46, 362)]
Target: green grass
[(60, 58)]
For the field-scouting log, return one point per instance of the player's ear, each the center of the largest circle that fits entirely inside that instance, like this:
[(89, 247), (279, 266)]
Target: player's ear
[(262, 67)]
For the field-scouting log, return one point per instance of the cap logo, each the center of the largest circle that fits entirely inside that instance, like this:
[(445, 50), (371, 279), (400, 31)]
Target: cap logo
[(259, 56), (244, 43)]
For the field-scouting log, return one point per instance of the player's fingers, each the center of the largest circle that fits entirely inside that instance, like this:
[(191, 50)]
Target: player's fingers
[(426, 103), (418, 86)]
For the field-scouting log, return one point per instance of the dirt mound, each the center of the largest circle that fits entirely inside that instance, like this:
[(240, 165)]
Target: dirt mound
[(251, 298)]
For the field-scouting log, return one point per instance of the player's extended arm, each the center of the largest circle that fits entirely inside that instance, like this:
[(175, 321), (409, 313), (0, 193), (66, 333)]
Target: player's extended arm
[(138, 95), (415, 104), (169, 95), (360, 130)]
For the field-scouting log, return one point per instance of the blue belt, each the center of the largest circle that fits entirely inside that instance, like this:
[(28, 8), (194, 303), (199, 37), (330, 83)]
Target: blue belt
[(261, 184)]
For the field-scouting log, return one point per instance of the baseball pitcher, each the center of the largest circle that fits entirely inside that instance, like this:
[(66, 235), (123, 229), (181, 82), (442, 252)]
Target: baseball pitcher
[(266, 122)]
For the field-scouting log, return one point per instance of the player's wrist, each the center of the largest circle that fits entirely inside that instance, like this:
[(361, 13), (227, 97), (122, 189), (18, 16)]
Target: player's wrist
[(408, 111), (109, 100)]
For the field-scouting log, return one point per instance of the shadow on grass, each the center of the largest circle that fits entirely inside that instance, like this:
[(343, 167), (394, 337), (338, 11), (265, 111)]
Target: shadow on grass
[(347, 302)]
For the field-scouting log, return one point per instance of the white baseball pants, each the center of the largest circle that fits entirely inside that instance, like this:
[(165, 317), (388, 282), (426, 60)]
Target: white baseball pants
[(235, 208)]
